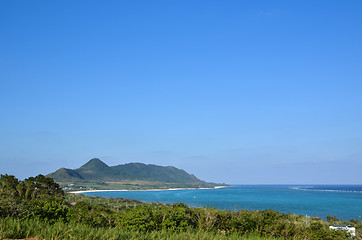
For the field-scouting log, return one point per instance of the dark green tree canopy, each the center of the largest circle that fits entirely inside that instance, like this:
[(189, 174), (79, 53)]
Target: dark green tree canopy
[(39, 187)]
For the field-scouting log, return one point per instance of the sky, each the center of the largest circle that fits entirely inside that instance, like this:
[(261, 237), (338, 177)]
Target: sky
[(238, 92)]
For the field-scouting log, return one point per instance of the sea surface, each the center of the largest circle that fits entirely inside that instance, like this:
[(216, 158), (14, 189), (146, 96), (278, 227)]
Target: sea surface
[(344, 201)]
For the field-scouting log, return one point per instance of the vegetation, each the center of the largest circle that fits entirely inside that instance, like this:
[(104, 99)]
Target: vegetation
[(95, 174), (15, 229), (38, 207)]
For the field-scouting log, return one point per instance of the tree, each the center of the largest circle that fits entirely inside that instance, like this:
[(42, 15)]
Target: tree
[(8, 186), (42, 187)]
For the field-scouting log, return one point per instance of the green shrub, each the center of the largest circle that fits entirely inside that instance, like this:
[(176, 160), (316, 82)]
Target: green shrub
[(25, 206)]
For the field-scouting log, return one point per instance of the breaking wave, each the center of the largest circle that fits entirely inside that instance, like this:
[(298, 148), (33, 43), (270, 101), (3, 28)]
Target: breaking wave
[(330, 188)]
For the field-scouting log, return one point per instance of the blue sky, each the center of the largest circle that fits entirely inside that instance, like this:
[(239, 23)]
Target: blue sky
[(249, 92)]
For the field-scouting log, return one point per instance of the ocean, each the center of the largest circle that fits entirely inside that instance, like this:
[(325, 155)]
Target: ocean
[(344, 201)]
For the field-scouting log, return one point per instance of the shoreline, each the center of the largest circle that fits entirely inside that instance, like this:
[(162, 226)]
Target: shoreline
[(145, 190)]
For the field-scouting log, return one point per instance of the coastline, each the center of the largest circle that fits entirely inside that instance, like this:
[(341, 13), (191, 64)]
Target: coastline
[(280, 198), (143, 190)]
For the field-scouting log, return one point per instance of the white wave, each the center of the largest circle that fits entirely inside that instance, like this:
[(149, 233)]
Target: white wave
[(309, 188)]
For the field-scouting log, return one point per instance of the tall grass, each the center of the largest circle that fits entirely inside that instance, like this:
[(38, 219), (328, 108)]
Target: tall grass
[(14, 229)]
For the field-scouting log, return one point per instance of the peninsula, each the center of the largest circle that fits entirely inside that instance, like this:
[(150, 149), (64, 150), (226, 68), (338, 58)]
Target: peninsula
[(97, 175)]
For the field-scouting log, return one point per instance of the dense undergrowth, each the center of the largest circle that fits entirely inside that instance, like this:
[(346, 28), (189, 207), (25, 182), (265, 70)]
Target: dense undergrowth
[(37, 207), (16, 229)]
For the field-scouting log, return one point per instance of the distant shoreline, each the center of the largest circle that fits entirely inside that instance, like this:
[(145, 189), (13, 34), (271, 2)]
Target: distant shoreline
[(145, 190)]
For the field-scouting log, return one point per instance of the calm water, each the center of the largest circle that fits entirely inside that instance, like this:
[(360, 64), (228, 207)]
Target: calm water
[(344, 201)]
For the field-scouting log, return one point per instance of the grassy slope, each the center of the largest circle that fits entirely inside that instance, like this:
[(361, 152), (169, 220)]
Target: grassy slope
[(121, 203), (15, 229)]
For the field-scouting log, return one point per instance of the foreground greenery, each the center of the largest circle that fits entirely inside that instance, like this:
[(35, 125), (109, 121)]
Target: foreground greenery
[(14, 229), (38, 207)]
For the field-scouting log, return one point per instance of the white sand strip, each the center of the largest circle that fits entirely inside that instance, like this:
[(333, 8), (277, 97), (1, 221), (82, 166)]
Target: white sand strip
[(145, 190)]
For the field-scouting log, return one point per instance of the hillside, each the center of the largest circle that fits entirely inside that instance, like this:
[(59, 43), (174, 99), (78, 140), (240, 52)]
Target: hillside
[(95, 174)]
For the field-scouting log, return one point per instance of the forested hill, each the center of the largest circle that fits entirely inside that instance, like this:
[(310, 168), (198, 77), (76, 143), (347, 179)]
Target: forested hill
[(97, 171)]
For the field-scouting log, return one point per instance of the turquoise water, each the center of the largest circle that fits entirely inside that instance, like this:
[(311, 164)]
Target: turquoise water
[(344, 201)]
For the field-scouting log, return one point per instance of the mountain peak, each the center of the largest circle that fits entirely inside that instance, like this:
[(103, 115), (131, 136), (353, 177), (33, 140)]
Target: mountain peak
[(94, 163)]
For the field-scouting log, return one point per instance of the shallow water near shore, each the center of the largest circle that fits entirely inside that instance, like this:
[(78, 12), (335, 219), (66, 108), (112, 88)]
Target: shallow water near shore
[(344, 201)]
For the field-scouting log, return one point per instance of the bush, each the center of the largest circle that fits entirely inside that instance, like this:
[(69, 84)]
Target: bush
[(40, 199)]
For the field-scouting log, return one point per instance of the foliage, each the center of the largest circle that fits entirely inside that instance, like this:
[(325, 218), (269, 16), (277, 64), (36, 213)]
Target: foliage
[(39, 200), (16, 229), (35, 197)]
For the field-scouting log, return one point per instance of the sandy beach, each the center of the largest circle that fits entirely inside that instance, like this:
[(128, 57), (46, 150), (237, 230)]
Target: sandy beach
[(145, 190)]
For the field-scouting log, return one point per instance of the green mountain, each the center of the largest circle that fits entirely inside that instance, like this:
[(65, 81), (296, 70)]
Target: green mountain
[(96, 174)]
